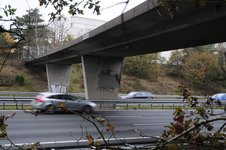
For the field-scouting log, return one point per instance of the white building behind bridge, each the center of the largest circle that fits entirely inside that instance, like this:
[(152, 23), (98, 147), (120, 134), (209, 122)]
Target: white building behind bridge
[(81, 25)]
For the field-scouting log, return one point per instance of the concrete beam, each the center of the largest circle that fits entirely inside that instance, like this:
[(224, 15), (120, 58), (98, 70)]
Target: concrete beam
[(58, 77), (102, 76)]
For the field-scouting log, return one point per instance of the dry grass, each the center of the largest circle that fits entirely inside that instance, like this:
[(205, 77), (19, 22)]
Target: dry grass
[(8, 73), (76, 82), (165, 85)]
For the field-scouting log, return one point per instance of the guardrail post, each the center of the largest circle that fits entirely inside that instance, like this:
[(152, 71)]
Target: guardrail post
[(126, 106), (162, 106), (151, 106), (173, 106), (3, 105), (184, 106), (100, 106), (22, 106), (139, 106)]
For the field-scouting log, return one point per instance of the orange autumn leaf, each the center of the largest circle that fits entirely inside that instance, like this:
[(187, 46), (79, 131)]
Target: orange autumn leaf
[(110, 127), (89, 137), (61, 104), (92, 116)]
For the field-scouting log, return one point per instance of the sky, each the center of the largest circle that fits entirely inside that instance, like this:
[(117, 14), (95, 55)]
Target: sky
[(109, 10), (106, 12)]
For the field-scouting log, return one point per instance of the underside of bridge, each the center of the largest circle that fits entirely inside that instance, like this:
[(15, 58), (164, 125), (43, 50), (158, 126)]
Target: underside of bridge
[(143, 31)]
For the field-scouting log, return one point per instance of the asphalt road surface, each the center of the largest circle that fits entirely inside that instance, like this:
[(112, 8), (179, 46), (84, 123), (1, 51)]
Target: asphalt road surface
[(62, 129)]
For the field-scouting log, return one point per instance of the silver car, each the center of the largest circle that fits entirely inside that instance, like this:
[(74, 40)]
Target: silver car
[(43, 101), (138, 95)]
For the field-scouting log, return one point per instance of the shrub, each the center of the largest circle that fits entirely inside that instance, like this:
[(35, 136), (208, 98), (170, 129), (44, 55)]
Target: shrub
[(19, 79)]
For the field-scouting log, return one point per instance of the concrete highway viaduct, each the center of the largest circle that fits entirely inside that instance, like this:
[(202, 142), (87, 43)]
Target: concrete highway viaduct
[(141, 31)]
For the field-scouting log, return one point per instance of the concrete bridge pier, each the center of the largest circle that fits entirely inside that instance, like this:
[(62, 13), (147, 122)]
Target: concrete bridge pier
[(58, 77), (102, 77)]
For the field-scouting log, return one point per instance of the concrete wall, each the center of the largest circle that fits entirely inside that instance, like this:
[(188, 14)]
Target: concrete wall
[(58, 77), (102, 76)]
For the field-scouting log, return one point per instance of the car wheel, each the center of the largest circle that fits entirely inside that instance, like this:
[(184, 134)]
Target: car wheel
[(87, 110), (47, 111)]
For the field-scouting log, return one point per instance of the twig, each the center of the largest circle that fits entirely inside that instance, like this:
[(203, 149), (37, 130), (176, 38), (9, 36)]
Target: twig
[(191, 129)]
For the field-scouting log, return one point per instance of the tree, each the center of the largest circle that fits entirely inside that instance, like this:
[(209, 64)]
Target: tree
[(6, 42), (143, 66), (34, 32), (8, 11), (176, 59), (171, 6), (58, 32), (73, 7), (201, 68)]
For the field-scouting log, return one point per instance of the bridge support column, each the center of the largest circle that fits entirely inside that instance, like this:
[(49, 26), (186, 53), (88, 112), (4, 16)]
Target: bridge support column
[(102, 77), (58, 77)]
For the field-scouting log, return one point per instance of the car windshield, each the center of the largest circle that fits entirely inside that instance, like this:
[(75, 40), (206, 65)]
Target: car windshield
[(148, 94), (73, 98), (132, 93), (38, 96), (218, 95)]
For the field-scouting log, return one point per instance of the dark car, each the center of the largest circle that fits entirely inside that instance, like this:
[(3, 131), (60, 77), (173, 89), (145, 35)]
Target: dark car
[(43, 101), (138, 95)]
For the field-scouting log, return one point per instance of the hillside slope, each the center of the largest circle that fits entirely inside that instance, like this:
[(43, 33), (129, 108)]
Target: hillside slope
[(36, 81), (165, 85)]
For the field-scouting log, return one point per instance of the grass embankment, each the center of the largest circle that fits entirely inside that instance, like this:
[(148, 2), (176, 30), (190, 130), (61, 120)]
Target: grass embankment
[(14, 107), (11, 69), (37, 81)]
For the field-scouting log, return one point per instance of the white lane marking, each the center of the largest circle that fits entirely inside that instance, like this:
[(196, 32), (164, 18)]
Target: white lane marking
[(151, 124), (42, 143), (47, 142), (123, 116)]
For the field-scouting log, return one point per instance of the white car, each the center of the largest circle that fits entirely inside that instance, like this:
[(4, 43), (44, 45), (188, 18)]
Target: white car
[(43, 101)]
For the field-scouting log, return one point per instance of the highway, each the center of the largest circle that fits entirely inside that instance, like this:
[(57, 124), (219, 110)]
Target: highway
[(62, 129)]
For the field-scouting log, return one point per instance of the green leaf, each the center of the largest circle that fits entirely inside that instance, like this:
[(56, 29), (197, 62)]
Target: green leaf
[(197, 120), (3, 134), (6, 13), (35, 144), (203, 3), (182, 113), (166, 4), (3, 127), (90, 5), (159, 1)]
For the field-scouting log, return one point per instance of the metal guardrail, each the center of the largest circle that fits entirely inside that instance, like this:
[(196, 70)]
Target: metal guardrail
[(21, 101), (83, 95), (24, 98)]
